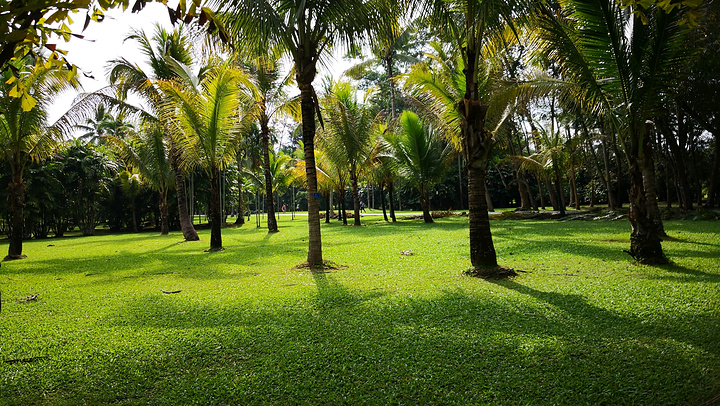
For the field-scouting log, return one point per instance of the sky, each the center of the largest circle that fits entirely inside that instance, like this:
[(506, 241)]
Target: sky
[(104, 41)]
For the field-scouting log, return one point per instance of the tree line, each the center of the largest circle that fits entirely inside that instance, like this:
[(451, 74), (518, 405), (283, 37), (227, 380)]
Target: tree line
[(539, 103)]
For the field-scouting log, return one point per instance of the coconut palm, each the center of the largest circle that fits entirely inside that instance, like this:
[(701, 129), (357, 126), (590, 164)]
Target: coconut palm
[(452, 86), (204, 115), (268, 93), (421, 154), (163, 50), (305, 30), (348, 133), (148, 153), (103, 125), (621, 60), (24, 131)]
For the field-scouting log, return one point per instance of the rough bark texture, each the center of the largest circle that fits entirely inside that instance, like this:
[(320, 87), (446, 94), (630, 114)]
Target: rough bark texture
[(477, 145), (186, 225), (645, 240), (215, 212), (16, 191), (306, 71), (265, 136)]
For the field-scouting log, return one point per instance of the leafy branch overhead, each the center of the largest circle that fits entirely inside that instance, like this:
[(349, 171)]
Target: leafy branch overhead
[(30, 27)]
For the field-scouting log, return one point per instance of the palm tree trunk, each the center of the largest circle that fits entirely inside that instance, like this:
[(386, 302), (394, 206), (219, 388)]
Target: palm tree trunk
[(215, 212), (612, 199), (16, 191), (650, 183), (381, 186), (305, 75), (425, 204), (477, 145), (645, 239), (133, 209), (356, 199), (328, 207), (391, 196), (240, 220), (482, 250), (164, 216), (265, 137), (186, 225)]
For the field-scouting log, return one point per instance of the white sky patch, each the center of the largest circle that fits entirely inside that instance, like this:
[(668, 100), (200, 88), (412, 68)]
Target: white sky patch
[(104, 41)]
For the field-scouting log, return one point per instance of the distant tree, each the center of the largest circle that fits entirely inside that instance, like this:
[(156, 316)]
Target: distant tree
[(421, 154), (205, 117)]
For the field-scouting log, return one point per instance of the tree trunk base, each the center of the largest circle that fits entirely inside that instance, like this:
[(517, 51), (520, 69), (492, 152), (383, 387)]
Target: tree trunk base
[(491, 272), (14, 257), (648, 255), (321, 266)]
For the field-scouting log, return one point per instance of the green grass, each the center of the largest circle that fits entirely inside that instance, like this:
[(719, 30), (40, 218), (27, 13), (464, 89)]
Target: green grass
[(584, 325)]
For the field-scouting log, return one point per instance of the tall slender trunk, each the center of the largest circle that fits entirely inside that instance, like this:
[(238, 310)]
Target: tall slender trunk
[(133, 209), (612, 199), (164, 216), (356, 198), (305, 68), (240, 220), (649, 181), (215, 212), (265, 139), (477, 145), (186, 224), (391, 195), (16, 191), (425, 205), (460, 182), (488, 201), (389, 71), (540, 190), (553, 195), (328, 206), (559, 189), (618, 172), (382, 199), (678, 155)]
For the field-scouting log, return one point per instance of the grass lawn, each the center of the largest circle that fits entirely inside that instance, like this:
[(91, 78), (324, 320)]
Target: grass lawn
[(583, 325)]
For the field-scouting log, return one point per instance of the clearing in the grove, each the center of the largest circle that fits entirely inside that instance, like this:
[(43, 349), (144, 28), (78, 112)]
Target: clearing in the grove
[(147, 319)]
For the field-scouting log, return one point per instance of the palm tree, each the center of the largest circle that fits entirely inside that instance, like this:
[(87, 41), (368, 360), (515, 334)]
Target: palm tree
[(24, 132), (306, 30), (421, 154), (268, 92), (347, 136), (102, 126), (163, 50), (451, 87), (148, 153), (621, 60), (204, 114)]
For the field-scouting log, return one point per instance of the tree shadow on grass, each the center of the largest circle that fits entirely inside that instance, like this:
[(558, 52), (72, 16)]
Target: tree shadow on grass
[(339, 345)]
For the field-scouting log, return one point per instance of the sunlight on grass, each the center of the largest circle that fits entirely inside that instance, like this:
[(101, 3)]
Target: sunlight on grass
[(396, 324)]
